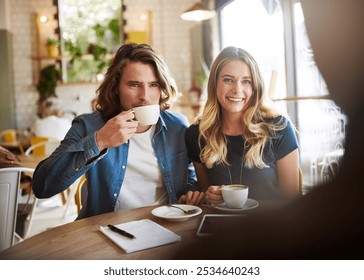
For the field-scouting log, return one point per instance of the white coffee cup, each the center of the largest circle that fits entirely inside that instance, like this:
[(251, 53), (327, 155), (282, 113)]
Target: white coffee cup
[(235, 196), (147, 115)]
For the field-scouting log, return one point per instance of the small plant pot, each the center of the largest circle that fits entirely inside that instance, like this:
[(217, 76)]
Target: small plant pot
[(53, 50)]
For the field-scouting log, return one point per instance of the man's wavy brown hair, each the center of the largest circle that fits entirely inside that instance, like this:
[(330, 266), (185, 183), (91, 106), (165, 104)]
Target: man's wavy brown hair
[(108, 101)]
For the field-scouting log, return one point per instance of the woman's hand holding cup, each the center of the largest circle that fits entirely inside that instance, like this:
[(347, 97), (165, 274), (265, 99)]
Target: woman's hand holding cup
[(234, 196), (214, 195)]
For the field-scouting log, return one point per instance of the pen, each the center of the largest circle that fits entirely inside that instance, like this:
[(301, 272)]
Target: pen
[(120, 231)]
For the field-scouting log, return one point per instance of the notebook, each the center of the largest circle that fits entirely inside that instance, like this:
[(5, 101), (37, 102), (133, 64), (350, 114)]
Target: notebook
[(148, 234)]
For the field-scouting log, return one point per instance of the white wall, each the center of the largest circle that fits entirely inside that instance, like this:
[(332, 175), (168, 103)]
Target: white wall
[(77, 97), (4, 14)]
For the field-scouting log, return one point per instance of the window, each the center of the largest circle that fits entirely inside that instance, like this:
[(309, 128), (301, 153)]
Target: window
[(321, 123), (90, 34), (257, 27)]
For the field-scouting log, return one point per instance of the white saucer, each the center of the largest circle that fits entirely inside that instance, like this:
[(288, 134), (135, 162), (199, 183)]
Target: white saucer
[(174, 214), (250, 204)]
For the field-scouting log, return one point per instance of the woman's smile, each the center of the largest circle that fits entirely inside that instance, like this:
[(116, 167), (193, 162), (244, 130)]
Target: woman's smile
[(234, 86)]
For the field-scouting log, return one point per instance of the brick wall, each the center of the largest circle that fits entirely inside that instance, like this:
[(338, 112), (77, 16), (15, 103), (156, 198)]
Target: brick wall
[(23, 28)]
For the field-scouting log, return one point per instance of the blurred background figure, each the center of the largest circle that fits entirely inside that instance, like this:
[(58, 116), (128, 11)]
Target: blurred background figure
[(94, 104), (52, 122)]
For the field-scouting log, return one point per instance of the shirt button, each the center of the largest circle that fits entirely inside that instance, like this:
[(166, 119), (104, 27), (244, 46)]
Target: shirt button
[(123, 167), (115, 195), (77, 169)]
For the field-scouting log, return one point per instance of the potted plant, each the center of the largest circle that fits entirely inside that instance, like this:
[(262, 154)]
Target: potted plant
[(46, 86), (52, 47)]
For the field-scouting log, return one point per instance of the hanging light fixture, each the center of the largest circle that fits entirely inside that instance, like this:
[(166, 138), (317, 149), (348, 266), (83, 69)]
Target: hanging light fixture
[(198, 12)]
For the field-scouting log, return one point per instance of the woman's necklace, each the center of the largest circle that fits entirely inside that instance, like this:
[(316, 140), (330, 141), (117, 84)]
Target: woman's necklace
[(241, 167), (241, 173)]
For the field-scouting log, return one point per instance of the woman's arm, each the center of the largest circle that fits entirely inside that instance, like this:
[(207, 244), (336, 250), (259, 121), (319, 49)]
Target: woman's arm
[(201, 174), (196, 197), (288, 175), (212, 193)]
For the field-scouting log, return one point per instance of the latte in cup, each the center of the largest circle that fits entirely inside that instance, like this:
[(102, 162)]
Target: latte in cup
[(235, 196), (147, 115)]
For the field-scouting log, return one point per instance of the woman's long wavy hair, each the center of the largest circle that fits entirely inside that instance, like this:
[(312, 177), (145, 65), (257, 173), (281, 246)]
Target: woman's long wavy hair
[(108, 102), (257, 129)]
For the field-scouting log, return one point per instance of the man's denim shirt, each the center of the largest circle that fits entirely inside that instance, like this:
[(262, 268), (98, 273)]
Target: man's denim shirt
[(105, 171)]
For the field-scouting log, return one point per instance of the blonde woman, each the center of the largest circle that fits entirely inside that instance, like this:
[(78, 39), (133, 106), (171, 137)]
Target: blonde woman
[(240, 138)]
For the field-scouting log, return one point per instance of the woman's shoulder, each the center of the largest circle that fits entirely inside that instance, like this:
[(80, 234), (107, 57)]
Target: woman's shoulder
[(277, 120), (192, 130), (279, 123), (283, 129)]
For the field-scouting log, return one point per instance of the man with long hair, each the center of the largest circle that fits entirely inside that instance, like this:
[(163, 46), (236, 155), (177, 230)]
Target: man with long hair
[(127, 164)]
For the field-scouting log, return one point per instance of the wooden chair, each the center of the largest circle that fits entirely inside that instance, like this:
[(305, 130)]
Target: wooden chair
[(9, 189), (45, 146), (300, 189), (42, 146), (76, 193), (14, 138)]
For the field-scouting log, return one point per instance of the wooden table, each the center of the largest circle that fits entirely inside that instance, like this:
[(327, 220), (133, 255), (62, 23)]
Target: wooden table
[(83, 240), (10, 145), (17, 147), (31, 160)]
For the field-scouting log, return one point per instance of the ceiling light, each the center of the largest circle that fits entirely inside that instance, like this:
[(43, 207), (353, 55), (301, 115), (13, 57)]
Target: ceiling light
[(198, 13), (43, 19)]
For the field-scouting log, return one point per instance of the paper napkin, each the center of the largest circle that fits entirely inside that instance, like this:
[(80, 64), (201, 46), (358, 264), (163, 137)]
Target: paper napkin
[(148, 235)]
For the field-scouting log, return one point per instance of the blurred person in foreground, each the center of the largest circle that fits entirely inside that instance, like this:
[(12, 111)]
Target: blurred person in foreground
[(241, 138), (127, 165), (328, 222)]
